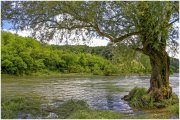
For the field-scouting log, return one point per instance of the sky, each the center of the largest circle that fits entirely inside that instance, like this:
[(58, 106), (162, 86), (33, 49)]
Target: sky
[(26, 33)]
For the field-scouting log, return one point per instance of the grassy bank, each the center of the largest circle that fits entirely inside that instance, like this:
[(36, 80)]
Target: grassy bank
[(138, 98), (20, 106), (31, 107)]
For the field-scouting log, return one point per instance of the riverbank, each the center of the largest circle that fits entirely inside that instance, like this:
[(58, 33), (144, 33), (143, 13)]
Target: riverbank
[(34, 107), (59, 74)]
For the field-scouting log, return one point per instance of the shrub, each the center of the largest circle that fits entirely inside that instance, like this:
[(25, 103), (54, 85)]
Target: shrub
[(76, 69), (7, 66), (110, 69)]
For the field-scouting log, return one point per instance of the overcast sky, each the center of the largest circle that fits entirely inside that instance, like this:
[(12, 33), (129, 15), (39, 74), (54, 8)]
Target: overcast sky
[(26, 33)]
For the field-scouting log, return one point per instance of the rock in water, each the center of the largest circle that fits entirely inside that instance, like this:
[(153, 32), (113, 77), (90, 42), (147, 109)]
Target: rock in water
[(52, 115)]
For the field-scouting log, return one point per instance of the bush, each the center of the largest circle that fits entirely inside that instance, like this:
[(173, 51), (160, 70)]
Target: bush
[(76, 69), (7, 66), (96, 70), (110, 69)]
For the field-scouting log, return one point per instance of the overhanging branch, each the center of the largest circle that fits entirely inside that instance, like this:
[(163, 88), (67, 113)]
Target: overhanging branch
[(126, 36), (138, 49), (173, 22), (102, 33)]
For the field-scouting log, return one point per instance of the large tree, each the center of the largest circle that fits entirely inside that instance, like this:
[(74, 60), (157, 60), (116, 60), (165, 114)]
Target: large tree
[(143, 26)]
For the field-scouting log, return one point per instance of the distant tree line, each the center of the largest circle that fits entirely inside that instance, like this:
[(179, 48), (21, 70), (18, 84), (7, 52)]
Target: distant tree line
[(25, 56), (120, 54)]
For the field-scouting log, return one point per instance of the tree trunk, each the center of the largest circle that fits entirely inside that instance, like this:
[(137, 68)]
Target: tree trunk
[(159, 82)]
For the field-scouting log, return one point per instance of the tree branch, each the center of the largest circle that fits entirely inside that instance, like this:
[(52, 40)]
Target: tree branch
[(74, 27), (173, 22), (102, 33), (126, 36), (138, 49)]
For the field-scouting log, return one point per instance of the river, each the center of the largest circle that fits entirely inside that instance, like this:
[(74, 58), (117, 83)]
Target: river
[(100, 92)]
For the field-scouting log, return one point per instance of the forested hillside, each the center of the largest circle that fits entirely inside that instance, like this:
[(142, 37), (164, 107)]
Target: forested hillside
[(22, 55)]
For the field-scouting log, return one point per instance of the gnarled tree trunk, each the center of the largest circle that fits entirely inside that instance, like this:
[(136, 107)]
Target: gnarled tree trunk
[(159, 82)]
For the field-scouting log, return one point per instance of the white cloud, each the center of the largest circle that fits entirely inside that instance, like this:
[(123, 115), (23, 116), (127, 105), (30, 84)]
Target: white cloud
[(24, 33), (99, 42), (93, 42)]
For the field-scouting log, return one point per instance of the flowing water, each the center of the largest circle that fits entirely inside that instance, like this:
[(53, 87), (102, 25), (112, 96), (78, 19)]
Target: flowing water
[(100, 92)]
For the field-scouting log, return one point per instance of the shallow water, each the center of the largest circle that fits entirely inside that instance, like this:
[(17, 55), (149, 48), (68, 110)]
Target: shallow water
[(93, 90)]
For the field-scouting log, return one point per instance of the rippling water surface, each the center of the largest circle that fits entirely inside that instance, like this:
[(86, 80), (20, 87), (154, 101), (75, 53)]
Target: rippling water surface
[(91, 89)]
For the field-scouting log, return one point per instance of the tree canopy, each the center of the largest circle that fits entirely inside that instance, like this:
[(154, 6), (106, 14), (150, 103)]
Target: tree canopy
[(116, 21)]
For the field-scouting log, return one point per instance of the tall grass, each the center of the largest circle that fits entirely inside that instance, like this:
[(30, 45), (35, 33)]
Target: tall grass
[(10, 107)]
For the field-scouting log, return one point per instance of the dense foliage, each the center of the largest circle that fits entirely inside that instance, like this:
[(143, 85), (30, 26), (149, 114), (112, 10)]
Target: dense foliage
[(126, 59), (25, 56)]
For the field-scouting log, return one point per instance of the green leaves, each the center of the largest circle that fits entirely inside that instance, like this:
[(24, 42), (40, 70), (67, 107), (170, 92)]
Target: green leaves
[(25, 55), (109, 19)]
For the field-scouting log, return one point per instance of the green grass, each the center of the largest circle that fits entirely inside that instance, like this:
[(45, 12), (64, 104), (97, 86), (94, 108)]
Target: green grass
[(174, 109), (10, 106), (74, 109), (96, 114), (69, 107), (138, 98), (107, 114), (77, 109)]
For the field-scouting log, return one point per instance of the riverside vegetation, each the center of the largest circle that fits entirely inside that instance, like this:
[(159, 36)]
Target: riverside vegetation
[(22, 55), (26, 56), (31, 107)]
